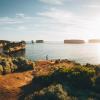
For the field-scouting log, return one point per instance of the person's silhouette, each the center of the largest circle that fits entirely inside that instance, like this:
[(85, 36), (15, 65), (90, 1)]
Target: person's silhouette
[(46, 57)]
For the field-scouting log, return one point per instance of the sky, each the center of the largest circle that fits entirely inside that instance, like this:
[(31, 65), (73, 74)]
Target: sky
[(50, 20)]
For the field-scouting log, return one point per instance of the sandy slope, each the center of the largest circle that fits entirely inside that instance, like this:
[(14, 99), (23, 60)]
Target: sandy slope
[(10, 85)]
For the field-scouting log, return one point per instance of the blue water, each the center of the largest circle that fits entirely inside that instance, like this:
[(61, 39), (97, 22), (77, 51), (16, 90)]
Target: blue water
[(82, 53)]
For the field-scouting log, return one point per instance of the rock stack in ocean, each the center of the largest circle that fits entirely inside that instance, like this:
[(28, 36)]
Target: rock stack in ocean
[(94, 41), (39, 41), (74, 41)]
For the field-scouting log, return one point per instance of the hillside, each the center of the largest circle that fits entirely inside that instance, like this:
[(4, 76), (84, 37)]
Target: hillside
[(10, 84), (52, 80)]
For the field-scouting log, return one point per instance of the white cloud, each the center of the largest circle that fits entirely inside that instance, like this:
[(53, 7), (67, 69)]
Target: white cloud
[(23, 16), (8, 20), (21, 28), (20, 15), (92, 6), (54, 24), (53, 2), (67, 22), (18, 19), (60, 16)]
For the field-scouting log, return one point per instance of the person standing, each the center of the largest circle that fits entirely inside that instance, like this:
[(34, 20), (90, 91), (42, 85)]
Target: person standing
[(46, 57)]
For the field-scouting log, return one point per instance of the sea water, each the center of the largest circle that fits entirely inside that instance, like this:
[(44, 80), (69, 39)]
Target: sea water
[(82, 53)]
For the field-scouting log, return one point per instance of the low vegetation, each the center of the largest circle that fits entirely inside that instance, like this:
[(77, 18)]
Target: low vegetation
[(55, 80), (9, 65), (66, 83), (52, 92)]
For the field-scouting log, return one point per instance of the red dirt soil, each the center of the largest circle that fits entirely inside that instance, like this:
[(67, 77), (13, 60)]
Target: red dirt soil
[(10, 85)]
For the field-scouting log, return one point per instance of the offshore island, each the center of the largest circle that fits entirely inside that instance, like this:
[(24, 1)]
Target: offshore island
[(74, 41), (94, 41), (23, 79)]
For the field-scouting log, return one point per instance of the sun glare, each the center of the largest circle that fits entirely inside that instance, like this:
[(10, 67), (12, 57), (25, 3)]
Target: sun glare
[(86, 40)]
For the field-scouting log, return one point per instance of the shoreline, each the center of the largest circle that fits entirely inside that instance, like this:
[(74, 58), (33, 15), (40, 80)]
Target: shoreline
[(14, 64), (79, 58)]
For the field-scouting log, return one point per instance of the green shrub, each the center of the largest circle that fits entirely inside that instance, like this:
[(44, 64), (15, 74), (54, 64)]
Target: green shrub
[(43, 80), (53, 92), (1, 70), (78, 76), (9, 64), (7, 69), (97, 85)]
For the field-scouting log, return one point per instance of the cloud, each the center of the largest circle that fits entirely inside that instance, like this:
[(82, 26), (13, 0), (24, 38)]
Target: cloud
[(20, 18), (23, 16), (22, 28), (8, 20), (53, 2), (66, 22), (60, 16), (92, 6), (20, 15), (53, 23)]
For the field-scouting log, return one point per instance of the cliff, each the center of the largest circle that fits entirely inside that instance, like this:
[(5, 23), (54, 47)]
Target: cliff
[(14, 46), (74, 41), (4, 42)]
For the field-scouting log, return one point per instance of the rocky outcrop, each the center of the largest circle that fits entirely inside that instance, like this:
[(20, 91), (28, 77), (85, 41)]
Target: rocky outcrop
[(94, 41), (32, 41), (3, 43), (14, 47), (39, 41), (74, 41)]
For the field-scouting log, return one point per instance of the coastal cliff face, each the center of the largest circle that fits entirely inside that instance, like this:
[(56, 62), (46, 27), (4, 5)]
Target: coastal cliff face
[(73, 41), (14, 46), (94, 41), (3, 43), (39, 41)]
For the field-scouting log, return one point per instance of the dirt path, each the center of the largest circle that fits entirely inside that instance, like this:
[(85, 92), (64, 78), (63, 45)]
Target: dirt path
[(10, 85)]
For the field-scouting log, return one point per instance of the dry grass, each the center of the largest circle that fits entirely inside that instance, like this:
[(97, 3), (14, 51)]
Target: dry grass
[(46, 67), (10, 84)]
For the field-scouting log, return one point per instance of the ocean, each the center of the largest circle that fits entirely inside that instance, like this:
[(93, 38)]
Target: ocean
[(81, 53)]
